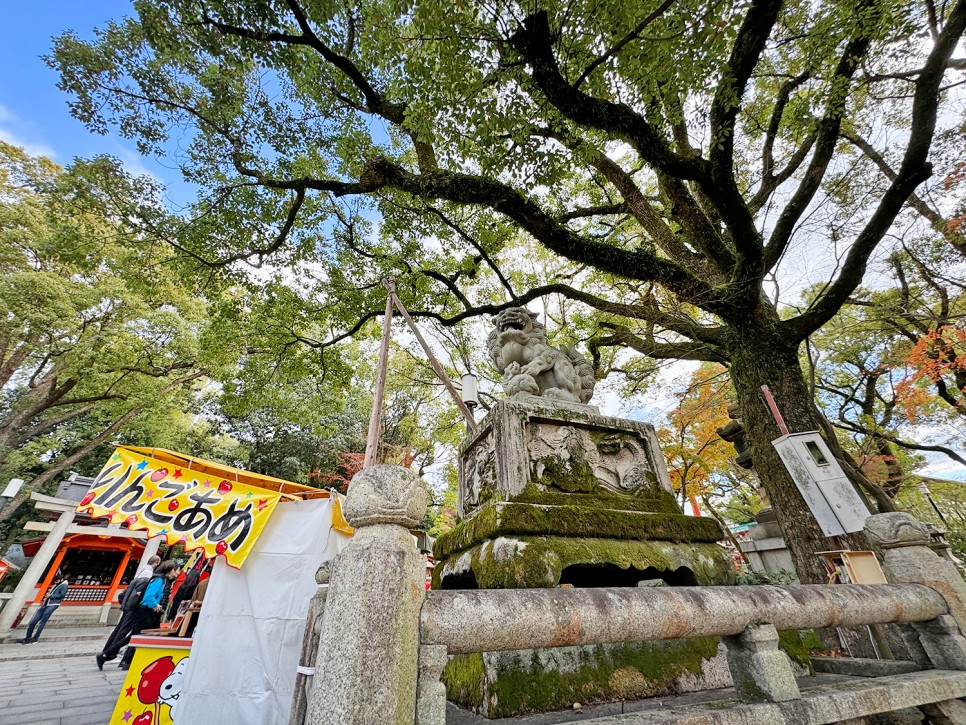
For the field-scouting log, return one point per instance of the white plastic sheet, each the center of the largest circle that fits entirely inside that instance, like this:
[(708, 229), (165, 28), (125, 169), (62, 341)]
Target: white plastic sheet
[(246, 646)]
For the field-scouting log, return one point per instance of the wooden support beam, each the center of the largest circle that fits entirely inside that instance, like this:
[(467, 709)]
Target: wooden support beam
[(375, 417), (437, 368)]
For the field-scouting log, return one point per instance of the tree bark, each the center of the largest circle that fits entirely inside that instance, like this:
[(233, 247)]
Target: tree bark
[(895, 474), (759, 356)]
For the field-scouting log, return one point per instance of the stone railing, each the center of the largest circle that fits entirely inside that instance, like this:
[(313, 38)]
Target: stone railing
[(384, 642)]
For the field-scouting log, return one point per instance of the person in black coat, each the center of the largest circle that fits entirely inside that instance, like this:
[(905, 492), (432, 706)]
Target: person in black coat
[(129, 608)]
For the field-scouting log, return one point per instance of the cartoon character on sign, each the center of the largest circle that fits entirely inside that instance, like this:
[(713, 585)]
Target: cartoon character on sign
[(160, 684), (171, 687)]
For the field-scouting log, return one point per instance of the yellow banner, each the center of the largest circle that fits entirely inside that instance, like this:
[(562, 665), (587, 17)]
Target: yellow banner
[(198, 510)]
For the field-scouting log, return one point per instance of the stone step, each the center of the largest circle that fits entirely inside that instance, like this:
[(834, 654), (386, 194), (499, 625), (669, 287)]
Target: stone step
[(818, 705), (61, 634)]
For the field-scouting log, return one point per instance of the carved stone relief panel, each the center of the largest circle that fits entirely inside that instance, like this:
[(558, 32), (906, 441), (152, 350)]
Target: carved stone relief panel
[(477, 473), (576, 458)]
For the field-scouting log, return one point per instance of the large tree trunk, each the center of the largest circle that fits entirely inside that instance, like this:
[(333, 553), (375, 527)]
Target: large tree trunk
[(895, 474), (763, 358)]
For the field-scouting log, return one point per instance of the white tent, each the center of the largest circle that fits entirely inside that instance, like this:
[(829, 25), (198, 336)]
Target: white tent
[(246, 646)]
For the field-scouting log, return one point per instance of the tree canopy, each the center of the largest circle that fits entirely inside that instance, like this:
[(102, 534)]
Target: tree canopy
[(94, 324), (668, 162)]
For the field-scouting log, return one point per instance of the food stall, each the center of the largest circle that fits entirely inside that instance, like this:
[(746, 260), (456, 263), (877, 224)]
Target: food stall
[(267, 538)]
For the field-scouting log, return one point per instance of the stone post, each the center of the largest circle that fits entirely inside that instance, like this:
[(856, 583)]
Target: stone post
[(151, 547), (431, 692), (367, 668), (30, 577), (310, 646), (907, 559), (761, 671), (943, 642)]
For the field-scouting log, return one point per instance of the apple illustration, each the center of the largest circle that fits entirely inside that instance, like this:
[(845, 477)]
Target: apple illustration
[(151, 678), (159, 474)]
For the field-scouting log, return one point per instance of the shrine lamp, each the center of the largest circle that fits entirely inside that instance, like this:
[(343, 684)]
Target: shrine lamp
[(471, 391)]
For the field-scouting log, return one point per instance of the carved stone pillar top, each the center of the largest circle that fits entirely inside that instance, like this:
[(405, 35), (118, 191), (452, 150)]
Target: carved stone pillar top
[(907, 559), (896, 530), (386, 495), (323, 573)]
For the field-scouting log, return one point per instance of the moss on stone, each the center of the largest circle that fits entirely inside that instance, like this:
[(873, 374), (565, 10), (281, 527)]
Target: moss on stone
[(521, 519), (514, 683), (578, 477), (654, 500), (799, 645), (521, 562), (465, 679)]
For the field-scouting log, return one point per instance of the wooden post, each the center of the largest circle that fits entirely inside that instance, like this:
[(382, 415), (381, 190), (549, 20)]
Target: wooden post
[(773, 407), (375, 417), (470, 421), (116, 581)]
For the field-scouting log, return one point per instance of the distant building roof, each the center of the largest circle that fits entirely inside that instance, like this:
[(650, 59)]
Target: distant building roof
[(74, 487)]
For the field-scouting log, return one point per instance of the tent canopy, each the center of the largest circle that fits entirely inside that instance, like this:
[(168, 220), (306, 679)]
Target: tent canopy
[(217, 470)]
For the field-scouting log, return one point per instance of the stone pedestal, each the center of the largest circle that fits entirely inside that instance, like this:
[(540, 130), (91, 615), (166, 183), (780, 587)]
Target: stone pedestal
[(366, 671), (529, 445), (555, 494)]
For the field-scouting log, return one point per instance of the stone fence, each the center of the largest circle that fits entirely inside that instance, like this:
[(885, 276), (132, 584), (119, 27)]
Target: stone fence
[(384, 642), (511, 619)]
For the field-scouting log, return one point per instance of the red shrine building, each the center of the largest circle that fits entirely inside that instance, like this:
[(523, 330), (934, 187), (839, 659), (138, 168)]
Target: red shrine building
[(100, 560)]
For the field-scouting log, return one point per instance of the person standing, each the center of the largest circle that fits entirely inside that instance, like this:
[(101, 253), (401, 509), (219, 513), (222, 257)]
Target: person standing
[(184, 593), (129, 605), (53, 599), (146, 571), (150, 607)]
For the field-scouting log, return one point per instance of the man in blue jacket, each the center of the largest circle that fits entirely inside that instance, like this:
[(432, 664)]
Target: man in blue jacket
[(53, 599), (153, 602), (130, 602)]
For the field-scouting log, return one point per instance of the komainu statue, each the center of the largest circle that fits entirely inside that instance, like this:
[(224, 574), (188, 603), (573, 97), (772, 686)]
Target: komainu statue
[(529, 365)]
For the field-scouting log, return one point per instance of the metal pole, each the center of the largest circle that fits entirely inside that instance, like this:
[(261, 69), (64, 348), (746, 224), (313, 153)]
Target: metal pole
[(925, 491), (375, 417)]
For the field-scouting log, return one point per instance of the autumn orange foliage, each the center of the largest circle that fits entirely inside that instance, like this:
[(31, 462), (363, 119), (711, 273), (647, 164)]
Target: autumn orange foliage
[(693, 449), (938, 355)]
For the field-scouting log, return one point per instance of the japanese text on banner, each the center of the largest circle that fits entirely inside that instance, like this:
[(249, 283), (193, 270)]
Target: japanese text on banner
[(197, 510)]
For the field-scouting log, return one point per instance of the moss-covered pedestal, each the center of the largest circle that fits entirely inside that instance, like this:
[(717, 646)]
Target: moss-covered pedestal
[(555, 494)]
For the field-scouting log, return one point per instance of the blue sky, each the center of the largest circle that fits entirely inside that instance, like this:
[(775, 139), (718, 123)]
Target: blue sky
[(33, 112)]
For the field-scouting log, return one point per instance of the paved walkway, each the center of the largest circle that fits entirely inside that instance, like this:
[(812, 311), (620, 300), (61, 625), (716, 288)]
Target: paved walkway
[(55, 681)]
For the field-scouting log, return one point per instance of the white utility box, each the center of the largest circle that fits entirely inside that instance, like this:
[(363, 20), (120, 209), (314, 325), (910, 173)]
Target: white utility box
[(830, 496)]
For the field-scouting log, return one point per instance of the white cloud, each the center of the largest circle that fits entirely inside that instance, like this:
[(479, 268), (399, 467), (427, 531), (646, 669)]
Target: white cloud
[(12, 130)]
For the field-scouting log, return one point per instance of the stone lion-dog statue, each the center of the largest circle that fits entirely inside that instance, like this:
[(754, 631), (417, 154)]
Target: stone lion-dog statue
[(521, 353)]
